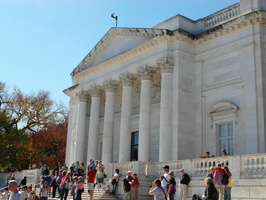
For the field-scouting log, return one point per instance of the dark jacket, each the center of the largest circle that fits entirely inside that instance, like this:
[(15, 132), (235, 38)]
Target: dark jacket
[(211, 193), (185, 179)]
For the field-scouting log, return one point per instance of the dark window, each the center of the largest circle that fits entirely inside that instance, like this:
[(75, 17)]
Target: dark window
[(134, 146)]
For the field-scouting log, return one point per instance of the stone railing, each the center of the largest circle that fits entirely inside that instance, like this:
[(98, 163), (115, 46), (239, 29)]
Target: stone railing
[(222, 15)]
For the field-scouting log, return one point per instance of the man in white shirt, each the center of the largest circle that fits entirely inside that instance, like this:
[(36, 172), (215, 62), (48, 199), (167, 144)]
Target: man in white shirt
[(166, 176), (13, 188)]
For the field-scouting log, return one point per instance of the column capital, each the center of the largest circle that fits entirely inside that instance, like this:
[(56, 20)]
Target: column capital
[(111, 85), (127, 79), (146, 72), (82, 96), (166, 65), (95, 91)]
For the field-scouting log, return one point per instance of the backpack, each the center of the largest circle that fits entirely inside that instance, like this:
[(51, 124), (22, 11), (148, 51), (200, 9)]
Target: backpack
[(225, 179), (196, 197)]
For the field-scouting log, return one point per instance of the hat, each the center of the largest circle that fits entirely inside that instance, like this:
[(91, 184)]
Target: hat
[(80, 177), (166, 166)]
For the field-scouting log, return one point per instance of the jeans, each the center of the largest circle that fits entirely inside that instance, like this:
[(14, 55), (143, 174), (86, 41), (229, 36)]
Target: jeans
[(227, 193), (43, 198), (54, 191), (114, 188), (172, 196), (64, 194)]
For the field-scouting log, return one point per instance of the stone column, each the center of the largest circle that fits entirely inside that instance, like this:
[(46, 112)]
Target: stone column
[(69, 134), (145, 113), (108, 126), (95, 93), (165, 142), (126, 117), (81, 126)]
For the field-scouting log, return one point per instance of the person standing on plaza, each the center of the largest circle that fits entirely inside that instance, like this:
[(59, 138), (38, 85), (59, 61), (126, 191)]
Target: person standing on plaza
[(67, 184), (44, 191), (217, 179), (171, 187), (91, 174), (223, 153), (184, 181), (23, 181), (127, 188), (228, 187), (134, 184), (53, 183), (115, 181), (14, 193), (166, 177), (157, 190), (100, 176), (210, 192), (8, 178), (210, 174), (79, 188)]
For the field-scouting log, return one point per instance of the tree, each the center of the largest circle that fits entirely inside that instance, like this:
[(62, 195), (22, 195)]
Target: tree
[(28, 120), (13, 143), (49, 144)]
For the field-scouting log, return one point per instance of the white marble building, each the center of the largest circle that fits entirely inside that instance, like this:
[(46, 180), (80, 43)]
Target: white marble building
[(172, 91)]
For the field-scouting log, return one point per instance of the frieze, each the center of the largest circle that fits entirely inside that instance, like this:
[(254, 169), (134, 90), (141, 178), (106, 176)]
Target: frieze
[(166, 65)]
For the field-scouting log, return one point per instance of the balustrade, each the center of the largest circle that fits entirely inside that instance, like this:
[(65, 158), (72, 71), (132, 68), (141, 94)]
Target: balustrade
[(222, 15)]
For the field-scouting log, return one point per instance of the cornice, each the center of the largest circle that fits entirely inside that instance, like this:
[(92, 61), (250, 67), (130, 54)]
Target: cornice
[(71, 90)]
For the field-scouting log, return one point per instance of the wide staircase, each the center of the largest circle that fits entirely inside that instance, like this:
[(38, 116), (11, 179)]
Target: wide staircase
[(101, 194)]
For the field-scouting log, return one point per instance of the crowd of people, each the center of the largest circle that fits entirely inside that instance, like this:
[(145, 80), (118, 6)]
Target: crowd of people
[(64, 182)]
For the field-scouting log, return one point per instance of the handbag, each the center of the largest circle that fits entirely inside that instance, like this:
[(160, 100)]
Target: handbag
[(113, 181)]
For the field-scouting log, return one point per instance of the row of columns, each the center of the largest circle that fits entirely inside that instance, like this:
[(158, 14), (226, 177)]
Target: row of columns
[(127, 80)]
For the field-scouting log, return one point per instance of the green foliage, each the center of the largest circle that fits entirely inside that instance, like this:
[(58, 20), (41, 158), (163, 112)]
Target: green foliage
[(13, 142)]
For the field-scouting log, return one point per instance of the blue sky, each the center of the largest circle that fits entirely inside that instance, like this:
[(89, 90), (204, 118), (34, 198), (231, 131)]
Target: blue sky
[(42, 41)]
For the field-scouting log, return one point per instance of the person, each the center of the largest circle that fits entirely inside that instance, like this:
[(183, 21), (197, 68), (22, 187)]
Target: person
[(23, 181), (81, 169), (45, 170), (100, 164), (166, 177), (5, 194), (228, 187), (207, 155), (91, 174), (62, 185), (33, 196), (171, 186), (79, 188), (53, 183), (210, 192), (210, 173), (157, 190), (115, 181), (64, 167), (29, 190), (24, 192), (12, 177), (13, 188), (224, 153), (134, 184), (127, 188), (74, 186), (67, 184), (100, 176), (58, 182), (183, 184), (217, 179), (44, 191)]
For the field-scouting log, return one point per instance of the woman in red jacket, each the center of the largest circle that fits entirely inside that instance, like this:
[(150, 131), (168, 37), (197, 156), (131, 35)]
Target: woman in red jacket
[(134, 184)]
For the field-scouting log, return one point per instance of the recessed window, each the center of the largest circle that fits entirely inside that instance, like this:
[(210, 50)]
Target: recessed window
[(134, 146), (226, 137)]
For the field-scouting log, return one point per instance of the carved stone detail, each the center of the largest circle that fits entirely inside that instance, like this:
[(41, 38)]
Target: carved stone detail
[(96, 91), (82, 96), (156, 90), (128, 79), (146, 72), (111, 85), (166, 65)]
